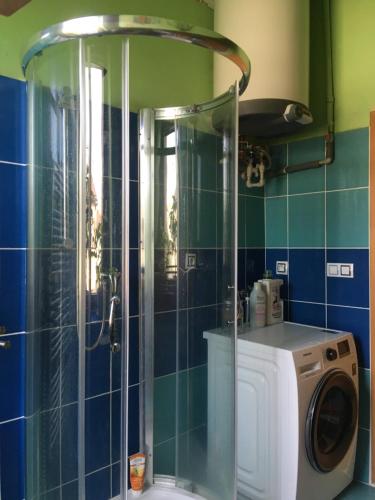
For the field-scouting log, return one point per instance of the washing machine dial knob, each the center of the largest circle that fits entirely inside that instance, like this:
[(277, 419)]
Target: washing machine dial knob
[(331, 354)]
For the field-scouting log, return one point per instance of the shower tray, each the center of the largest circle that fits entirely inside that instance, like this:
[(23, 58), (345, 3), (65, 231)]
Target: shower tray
[(158, 492)]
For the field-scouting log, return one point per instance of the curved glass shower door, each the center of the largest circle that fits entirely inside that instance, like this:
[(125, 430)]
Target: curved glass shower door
[(76, 271), (188, 282), (109, 375)]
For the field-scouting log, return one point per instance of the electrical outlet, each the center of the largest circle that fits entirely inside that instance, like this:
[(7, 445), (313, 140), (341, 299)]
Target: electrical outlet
[(190, 261), (282, 267), (340, 270)]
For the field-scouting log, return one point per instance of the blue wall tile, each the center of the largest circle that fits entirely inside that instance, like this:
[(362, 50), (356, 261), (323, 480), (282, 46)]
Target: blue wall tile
[(12, 456), (241, 269), (115, 480), (97, 362), (49, 451), (12, 120), (133, 216), (307, 314), (12, 206), (97, 432), (133, 282), (133, 422), (133, 353), (12, 289), (307, 275), (12, 376), (69, 365), (165, 343), (201, 282), (350, 291), (69, 433), (70, 491), (255, 260), (98, 485), (355, 321), (116, 426)]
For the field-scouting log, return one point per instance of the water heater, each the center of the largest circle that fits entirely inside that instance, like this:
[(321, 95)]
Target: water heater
[(275, 36)]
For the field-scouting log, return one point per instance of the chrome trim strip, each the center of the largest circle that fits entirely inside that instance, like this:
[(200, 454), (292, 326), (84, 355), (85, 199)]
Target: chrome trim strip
[(235, 282), (81, 271), (183, 111), (140, 25), (146, 274), (125, 269)]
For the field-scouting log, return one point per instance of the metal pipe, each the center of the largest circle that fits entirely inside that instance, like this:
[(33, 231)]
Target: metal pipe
[(329, 139)]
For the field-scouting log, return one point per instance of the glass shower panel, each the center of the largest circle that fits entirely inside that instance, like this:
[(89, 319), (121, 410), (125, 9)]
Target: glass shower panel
[(52, 344), (75, 270), (188, 185)]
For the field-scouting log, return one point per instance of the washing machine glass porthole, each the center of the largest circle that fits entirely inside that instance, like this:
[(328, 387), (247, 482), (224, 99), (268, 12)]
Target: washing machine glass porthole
[(331, 420)]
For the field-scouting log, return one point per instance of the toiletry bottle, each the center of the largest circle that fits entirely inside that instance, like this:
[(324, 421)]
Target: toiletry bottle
[(257, 306), (274, 307)]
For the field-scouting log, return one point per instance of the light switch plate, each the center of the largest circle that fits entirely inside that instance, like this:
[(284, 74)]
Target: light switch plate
[(282, 267), (340, 270)]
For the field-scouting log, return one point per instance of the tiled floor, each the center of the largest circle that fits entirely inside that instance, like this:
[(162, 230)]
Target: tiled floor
[(357, 491)]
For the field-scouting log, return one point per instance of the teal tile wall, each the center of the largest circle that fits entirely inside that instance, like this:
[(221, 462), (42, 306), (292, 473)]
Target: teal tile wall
[(314, 216), (276, 221), (250, 219), (347, 218), (306, 220)]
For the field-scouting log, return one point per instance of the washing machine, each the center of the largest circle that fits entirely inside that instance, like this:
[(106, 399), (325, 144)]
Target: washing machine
[(297, 412)]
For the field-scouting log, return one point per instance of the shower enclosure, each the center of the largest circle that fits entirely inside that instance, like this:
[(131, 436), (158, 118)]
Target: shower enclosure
[(132, 257)]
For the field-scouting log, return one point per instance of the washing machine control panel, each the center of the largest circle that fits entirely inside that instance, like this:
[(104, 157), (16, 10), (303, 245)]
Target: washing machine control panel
[(331, 354), (343, 349)]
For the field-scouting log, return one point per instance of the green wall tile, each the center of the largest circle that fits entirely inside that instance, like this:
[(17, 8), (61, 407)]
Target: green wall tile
[(254, 222), (302, 152), (164, 408), (192, 398), (305, 150), (276, 222), (351, 166), (347, 218), (308, 181), (197, 218), (361, 472), (364, 398), (225, 231), (306, 220), (164, 458), (241, 221), (277, 186), (203, 168)]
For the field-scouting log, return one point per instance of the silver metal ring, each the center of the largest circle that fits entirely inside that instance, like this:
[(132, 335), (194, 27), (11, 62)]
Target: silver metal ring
[(83, 27)]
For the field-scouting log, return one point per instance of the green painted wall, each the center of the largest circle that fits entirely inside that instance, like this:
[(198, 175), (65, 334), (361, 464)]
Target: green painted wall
[(353, 52), (182, 74), (164, 73), (354, 61)]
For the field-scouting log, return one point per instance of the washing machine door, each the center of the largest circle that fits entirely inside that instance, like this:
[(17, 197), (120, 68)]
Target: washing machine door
[(331, 420)]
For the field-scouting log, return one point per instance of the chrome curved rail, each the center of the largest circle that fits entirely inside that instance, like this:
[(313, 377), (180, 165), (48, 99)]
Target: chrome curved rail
[(83, 27)]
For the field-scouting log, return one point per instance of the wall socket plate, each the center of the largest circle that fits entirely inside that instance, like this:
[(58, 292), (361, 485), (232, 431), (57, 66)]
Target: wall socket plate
[(282, 267), (340, 270), (190, 261)]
